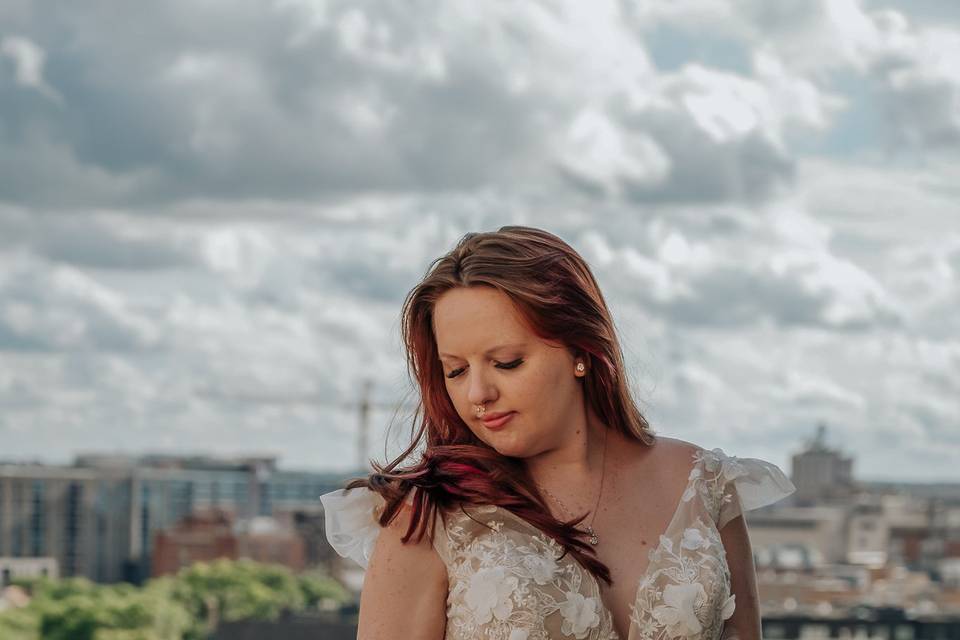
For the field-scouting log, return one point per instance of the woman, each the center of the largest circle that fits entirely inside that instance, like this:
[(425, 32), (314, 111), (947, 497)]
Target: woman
[(542, 505)]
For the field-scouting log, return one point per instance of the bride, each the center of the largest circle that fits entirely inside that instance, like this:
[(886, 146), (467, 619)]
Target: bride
[(542, 504)]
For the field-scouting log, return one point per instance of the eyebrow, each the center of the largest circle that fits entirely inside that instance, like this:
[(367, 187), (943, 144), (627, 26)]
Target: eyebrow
[(516, 345)]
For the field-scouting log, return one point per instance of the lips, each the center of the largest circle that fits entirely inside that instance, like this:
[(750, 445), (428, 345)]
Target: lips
[(496, 420)]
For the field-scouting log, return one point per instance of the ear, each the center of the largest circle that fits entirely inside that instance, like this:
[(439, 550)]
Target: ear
[(579, 357)]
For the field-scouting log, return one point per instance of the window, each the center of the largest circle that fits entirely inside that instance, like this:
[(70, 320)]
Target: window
[(145, 542), (38, 520), (16, 541), (71, 539), (903, 632)]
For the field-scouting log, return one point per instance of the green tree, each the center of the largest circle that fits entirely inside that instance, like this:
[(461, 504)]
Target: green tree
[(20, 624), (77, 609), (319, 589), (228, 591), (187, 606)]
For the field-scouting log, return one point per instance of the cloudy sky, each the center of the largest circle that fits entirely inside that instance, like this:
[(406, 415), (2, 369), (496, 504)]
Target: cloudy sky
[(210, 213)]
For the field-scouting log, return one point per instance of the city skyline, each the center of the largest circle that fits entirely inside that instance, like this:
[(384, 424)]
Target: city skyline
[(105, 459)]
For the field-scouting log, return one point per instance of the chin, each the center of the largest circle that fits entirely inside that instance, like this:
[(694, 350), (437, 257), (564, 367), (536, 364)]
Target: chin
[(509, 448)]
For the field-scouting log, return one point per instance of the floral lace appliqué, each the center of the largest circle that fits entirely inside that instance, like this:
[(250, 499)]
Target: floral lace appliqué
[(686, 590), (506, 584)]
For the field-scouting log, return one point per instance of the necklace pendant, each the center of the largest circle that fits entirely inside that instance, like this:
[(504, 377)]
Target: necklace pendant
[(594, 540)]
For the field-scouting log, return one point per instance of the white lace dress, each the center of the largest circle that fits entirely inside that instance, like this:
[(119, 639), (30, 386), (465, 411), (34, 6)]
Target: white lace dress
[(507, 582)]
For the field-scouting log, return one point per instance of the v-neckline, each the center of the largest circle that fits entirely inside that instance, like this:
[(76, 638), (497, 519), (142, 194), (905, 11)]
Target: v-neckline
[(691, 477)]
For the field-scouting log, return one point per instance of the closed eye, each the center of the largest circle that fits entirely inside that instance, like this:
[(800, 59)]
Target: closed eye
[(500, 365)]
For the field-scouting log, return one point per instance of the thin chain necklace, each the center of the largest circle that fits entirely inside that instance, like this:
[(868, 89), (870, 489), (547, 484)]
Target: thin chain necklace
[(594, 540)]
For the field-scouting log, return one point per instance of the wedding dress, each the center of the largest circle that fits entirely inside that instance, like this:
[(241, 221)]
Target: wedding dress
[(507, 581)]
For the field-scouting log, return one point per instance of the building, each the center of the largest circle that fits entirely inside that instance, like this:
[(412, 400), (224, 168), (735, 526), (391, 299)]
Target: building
[(78, 516), (310, 525), (99, 517), (199, 537), (920, 523), (11, 568), (289, 627), (208, 536), (267, 540), (797, 537), (821, 474)]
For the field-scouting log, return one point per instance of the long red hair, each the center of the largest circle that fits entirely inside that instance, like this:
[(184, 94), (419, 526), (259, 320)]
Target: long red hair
[(557, 295)]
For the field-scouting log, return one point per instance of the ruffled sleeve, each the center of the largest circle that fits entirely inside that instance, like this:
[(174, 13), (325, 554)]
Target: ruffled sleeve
[(745, 484), (350, 521)]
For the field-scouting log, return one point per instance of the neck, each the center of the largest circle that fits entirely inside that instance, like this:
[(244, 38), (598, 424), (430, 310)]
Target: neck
[(575, 466)]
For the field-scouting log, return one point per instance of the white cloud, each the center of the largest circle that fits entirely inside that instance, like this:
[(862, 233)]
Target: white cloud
[(603, 156), (914, 68), (796, 100), (61, 308), (208, 241), (910, 65), (28, 59), (373, 96)]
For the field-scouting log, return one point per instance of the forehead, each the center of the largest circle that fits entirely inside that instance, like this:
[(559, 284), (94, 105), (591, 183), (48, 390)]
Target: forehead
[(474, 319)]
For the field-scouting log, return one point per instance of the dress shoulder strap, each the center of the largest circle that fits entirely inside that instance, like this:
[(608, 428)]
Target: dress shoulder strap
[(743, 484), (351, 523)]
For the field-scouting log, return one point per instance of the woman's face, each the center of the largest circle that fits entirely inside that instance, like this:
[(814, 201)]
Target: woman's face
[(491, 357)]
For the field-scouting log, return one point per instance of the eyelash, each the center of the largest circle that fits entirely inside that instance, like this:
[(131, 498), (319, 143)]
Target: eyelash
[(507, 365)]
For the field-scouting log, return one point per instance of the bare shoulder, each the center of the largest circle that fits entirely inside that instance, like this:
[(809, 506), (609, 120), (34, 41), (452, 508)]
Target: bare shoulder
[(667, 462), (676, 454), (417, 551), (674, 465), (656, 478), (390, 606)]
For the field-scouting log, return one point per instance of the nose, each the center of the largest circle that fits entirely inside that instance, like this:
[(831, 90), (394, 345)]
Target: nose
[(479, 388)]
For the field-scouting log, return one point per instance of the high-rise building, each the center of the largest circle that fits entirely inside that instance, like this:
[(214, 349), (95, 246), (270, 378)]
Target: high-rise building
[(77, 516), (98, 517), (821, 474)]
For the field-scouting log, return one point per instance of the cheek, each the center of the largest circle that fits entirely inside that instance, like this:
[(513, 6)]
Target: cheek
[(458, 399), (464, 408), (538, 389)]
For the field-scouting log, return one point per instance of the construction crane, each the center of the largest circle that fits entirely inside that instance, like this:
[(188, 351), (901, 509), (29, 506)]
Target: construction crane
[(364, 406)]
